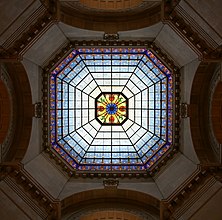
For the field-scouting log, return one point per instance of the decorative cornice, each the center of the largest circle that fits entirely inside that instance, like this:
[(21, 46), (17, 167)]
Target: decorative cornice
[(185, 191), (179, 25), (200, 193), (192, 37), (32, 34), (110, 37), (109, 43), (23, 27), (23, 43), (31, 189), (58, 57), (26, 198), (214, 169), (38, 110), (192, 189), (184, 110), (110, 184)]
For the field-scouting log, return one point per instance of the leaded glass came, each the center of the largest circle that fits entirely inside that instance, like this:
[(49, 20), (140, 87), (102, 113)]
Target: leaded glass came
[(128, 89)]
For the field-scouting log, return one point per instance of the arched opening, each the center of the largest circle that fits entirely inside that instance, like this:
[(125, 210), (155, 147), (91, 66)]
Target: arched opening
[(200, 112), (5, 111), (216, 112), (106, 19), (105, 203), (21, 110)]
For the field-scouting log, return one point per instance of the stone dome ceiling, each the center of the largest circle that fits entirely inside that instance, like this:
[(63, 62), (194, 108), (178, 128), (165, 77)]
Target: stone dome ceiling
[(37, 35)]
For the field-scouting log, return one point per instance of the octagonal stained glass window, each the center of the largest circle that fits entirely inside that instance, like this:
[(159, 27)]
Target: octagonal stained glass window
[(111, 109)]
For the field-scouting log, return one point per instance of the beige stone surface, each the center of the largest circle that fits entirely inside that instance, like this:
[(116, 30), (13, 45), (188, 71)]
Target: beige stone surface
[(73, 33), (50, 42), (171, 43), (211, 208), (47, 175), (210, 11), (34, 75), (35, 143), (11, 205), (187, 75), (74, 186), (186, 146), (148, 33), (198, 17), (207, 205), (148, 187), (13, 14), (9, 209), (174, 174)]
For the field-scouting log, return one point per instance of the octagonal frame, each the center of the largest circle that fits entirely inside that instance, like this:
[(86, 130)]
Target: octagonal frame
[(176, 121), (110, 124)]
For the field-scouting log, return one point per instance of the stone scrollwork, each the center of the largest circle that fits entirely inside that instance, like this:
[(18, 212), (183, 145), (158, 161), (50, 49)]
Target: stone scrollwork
[(110, 183), (184, 110), (38, 110), (110, 37)]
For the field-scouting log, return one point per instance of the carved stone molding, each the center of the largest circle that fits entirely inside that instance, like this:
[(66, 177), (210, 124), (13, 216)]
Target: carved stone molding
[(20, 45), (38, 110), (214, 169), (110, 183), (110, 37), (188, 33), (59, 55), (189, 188), (14, 173), (184, 113), (122, 43)]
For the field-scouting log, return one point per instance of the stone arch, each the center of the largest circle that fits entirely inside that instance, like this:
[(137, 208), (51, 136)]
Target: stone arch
[(200, 112), (111, 4), (5, 111), (21, 111), (144, 15), (116, 200), (216, 112)]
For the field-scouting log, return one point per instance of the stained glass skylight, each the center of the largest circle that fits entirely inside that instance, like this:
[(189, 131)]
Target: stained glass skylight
[(111, 109)]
